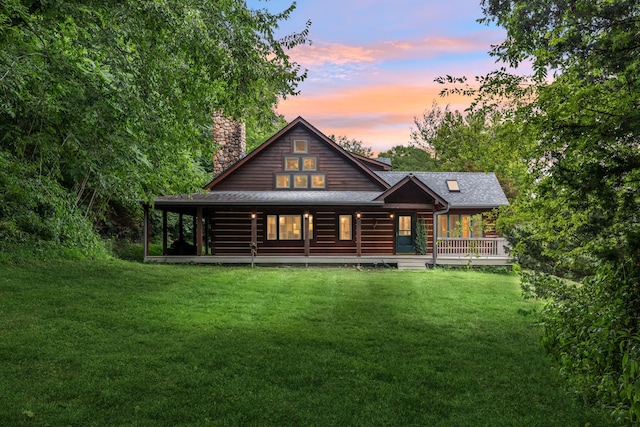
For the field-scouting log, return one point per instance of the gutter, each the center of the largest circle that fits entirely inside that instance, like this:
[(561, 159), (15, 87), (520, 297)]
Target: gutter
[(435, 232)]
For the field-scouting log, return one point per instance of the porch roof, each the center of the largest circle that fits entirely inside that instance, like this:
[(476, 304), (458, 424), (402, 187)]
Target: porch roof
[(309, 198)]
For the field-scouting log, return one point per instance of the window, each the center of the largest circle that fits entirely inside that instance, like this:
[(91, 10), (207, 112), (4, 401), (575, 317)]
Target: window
[(287, 227), (318, 181), (465, 226), (272, 227), (300, 146), (283, 181), (404, 225), (290, 227), (300, 181), (310, 227), (309, 164), (291, 163), (453, 186), (345, 228)]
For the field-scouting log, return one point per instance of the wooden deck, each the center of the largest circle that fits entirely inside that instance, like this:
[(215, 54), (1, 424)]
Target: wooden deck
[(402, 262)]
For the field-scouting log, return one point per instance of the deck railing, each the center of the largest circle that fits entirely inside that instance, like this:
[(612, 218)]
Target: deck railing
[(473, 247)]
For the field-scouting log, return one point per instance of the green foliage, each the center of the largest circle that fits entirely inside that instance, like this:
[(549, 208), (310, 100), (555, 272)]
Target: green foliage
[(421, 237), (352, 145), (590, 328), (410, 158), (113, 100), (478, 141), (577, 216), (39, 218)]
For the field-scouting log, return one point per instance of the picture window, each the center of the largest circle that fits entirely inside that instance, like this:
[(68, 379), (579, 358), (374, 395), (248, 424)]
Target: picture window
[(318, 181), (283, 181), (309, 164), (301, 181)]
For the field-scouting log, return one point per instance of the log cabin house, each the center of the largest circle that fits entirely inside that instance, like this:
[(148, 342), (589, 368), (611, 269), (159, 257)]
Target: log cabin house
[(300, 198)]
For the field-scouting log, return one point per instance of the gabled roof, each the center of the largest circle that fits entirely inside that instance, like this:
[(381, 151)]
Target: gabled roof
[(299, 121), (407, 180), (380, 163), (477, 189)]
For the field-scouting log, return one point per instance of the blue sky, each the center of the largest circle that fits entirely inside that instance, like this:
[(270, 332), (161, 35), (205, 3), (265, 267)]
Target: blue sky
[(372, 64)]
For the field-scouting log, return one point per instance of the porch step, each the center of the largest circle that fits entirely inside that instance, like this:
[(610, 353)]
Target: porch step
[(412, 264)]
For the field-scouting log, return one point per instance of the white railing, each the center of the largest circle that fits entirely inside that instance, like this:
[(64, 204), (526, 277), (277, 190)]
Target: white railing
[(497, 247)]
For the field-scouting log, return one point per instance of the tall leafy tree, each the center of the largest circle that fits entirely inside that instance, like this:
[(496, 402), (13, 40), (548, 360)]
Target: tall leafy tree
[(580, 216), (410, 158), (113, 100), (352, 145)]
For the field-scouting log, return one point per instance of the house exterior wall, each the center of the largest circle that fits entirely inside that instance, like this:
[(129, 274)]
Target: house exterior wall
[(259, 174), (230, 232)]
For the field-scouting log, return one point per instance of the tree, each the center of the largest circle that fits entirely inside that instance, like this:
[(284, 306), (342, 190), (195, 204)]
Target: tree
[(482, 140), (580, 214), (352, 145), (410, 158), (113, 100)]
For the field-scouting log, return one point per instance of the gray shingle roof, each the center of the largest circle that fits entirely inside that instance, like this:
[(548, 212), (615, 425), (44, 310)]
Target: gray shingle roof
[(280, 198), (477, 189)]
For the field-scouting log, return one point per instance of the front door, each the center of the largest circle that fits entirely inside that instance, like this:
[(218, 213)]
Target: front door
[(405, 234)]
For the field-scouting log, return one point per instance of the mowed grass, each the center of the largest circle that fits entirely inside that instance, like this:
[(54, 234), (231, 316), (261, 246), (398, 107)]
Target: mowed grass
[(115, 343)]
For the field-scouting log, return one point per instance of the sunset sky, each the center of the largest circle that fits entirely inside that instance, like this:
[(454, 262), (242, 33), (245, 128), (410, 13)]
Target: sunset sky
[(372, 64)]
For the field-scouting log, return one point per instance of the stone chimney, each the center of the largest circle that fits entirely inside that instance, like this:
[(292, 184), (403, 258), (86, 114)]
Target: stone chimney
[(230, 138)]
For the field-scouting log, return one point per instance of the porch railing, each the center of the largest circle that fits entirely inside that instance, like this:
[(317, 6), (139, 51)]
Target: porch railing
[(473, 247)]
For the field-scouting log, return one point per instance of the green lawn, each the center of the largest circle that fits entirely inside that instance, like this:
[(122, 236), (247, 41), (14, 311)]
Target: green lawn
[(118, 343)]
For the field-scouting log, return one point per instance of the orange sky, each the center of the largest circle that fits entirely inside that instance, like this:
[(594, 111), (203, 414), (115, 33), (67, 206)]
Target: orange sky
[(372, 64)]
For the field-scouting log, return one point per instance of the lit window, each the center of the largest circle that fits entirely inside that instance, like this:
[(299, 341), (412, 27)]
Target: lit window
[(345, 229), (452, 185), (300, 146), (272, 227), (404, 225), (291, 163), (442, 226), (311, 227), (318, 181), (290, 227), (309, 164), (300, 181), (283, 181), (465, 226)]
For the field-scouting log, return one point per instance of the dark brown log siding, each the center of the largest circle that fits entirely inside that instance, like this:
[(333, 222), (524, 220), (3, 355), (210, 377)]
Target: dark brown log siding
[(230, 233), (259, 173)]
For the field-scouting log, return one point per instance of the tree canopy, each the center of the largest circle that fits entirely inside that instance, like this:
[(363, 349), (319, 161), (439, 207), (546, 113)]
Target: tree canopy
[(112, 101), (579, 216)]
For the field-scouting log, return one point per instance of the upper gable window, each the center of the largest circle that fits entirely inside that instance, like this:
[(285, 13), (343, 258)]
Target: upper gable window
[(283, 181), (291, 163), (300, 146), (309, 164), (453, 186)]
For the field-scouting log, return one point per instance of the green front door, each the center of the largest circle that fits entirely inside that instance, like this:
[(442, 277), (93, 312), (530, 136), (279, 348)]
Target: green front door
[(405, 234)]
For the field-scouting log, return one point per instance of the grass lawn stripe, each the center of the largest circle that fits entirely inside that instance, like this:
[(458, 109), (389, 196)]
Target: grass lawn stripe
[(117, 343)]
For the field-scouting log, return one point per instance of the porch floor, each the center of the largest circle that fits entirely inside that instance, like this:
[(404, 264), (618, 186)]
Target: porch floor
[(402, 262)]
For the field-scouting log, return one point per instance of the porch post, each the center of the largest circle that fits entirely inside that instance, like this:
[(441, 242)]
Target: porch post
[(254, 228), (358, 234), (164, 233), (194, 228), (306, 233), (145, 233), (198, 227), (206, 234)]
